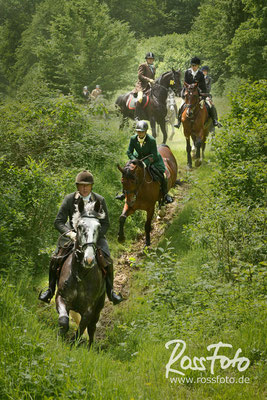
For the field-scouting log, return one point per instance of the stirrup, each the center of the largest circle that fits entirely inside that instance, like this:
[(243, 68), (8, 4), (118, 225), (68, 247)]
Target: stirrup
[(116, 298), (168, 199), (46, 296), (177, 125), (120, 196)]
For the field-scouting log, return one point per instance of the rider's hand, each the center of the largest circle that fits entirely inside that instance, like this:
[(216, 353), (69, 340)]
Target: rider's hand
[(144, 165), (71, 235), (151, 81)]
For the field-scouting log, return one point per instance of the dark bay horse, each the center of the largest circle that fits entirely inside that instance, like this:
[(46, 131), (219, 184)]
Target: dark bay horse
[(196, 123), (141, 191), (156, 109), (81, 286)]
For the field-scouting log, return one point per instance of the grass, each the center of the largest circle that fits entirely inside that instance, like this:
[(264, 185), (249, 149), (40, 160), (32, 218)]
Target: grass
[(173, 295)]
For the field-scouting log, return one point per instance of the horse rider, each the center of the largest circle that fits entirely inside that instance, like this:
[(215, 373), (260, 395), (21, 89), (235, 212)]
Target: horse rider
[(86, 92), (195, 75), (146, 78), (63, 223), (96, 92), (205, 69), (140, 147)]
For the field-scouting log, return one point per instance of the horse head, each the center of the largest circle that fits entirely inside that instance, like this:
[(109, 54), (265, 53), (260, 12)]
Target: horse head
[(132, 178), (191, 97), (172, 80), (86, 223)]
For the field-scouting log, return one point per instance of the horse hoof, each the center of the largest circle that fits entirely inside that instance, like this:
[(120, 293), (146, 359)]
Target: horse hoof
[(121, 239), (197, 163), (63, 325)]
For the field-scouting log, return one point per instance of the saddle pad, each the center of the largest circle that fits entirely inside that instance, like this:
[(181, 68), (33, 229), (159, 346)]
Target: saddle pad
[(131, 102)]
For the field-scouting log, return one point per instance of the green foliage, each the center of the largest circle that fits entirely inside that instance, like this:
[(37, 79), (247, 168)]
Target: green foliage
[(28, 194), (76, 44), (248, 50), (240, 150), (15, 16), (171, 51), (154, 17), (233, 219)]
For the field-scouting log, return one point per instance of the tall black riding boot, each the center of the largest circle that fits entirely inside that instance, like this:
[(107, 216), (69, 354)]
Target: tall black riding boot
[(164, 187), (214, 116), (112, 296), (179, 118), (49, 293)]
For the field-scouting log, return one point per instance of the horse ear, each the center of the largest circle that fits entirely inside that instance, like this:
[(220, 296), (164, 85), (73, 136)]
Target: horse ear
[(80, 205), (97, 206), (119, 168), (173, 70)]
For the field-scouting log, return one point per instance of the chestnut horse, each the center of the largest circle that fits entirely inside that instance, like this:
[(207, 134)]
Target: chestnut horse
[(196, 123), (82, 285), (156, 109), (141, 191)]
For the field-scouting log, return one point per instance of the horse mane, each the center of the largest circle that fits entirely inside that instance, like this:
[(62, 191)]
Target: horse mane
[(128, 171), (162, 76), (89, 210)]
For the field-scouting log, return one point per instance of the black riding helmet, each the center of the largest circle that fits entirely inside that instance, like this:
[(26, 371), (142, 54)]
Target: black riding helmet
[(149, 55), (195, 60), (205, 68), (141, 126)]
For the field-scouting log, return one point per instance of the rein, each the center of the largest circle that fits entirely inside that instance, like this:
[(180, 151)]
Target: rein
[(136, 191)]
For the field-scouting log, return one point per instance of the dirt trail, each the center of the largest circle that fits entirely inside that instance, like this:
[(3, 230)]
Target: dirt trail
[(122, 281)]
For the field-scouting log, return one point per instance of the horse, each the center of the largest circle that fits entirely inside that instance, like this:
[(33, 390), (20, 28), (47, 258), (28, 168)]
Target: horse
[(196, 123), (172, 113), (155, 110), (81, 285), (141, 191)]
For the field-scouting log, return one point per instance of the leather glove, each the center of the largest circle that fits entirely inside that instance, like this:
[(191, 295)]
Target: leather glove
[(144, 165), (72, 235)]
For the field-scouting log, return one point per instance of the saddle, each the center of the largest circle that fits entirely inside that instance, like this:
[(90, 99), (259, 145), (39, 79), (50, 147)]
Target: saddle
[(131, 102)]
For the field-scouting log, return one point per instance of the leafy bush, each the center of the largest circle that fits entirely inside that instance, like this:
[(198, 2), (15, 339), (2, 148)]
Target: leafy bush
[(28, 206), (233, 217)]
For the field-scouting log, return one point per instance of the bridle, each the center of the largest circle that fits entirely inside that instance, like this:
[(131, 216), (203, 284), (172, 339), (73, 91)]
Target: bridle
[(172, 78), (191, 107), (135, 191), (81, 248)]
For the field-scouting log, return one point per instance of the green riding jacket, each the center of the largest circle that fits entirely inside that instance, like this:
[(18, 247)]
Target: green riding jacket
[(149, 147)]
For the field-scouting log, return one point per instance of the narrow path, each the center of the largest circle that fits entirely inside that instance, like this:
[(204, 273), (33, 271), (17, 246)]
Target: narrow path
[(122, 281)]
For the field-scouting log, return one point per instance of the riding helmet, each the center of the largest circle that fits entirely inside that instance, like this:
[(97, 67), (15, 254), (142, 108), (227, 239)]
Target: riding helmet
[(195, 60), (149, 55), (205, 68), (141, 126), (85, 178)]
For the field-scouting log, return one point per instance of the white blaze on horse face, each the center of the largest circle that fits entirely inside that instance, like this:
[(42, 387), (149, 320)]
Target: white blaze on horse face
[(91, 233)]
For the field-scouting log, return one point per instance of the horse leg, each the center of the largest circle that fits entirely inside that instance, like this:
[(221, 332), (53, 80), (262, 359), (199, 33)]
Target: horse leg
[(82, 325), (91, 327), (149, 217), (153, 127), (173, 131), (188, 150), (203, 149), (125, 213), (63, 319), (163, 130), (198, 147)]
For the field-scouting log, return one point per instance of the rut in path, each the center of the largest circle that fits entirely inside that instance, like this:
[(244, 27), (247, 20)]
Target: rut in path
[(122, 281)]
